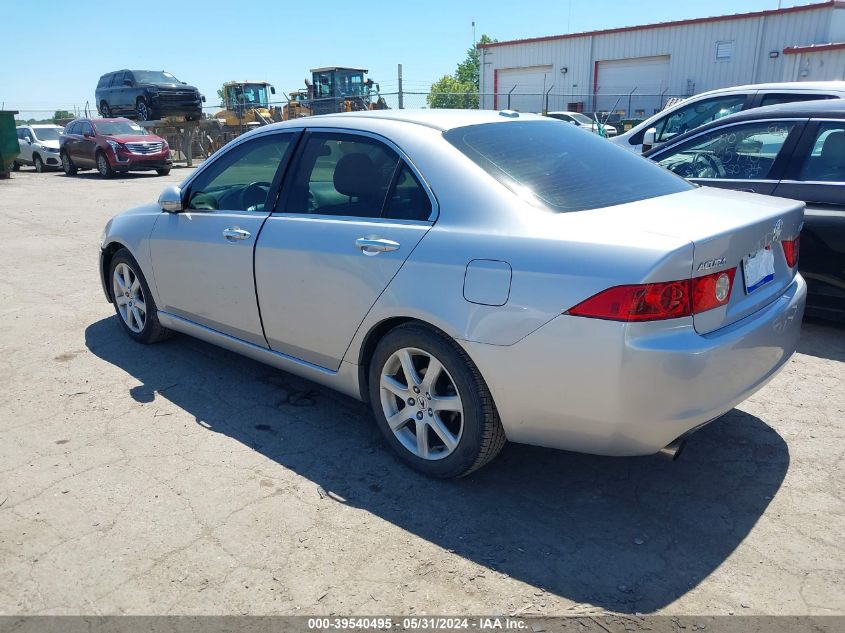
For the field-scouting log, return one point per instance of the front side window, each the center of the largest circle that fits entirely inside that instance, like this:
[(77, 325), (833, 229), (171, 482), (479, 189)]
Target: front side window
[(342, 174), (826, 162), (697, 114), (86, 128), (736, 152), (241, 179), (561, 168)]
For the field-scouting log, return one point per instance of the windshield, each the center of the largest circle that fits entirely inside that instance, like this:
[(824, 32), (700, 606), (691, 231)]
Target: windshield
[(253, 94), (154, 77), (350, 84), (561, 167), (581, 118), (47, 133), (113, 128)]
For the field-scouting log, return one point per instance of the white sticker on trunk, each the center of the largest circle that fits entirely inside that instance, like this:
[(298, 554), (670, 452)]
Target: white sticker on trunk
[(758, 269)]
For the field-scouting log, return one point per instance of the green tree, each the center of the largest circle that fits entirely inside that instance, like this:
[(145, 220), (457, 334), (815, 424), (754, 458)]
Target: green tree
[(448, 92), (62, 114), (460, 90)]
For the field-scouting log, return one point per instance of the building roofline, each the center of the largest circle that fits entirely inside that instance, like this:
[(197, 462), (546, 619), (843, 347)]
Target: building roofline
[(814, 48), (838, 4)]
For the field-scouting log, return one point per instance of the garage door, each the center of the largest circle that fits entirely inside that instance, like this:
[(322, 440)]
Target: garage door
[(645, 79), (529, 84)]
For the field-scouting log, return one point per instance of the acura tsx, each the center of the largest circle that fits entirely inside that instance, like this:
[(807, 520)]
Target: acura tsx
[(476, 276)]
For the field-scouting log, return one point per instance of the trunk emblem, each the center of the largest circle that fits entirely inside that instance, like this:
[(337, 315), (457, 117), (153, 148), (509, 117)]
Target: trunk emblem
[(712, 263), (777, 230)]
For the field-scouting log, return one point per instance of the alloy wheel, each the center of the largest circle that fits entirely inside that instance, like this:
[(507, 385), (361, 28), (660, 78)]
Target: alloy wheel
[(129, 297), (102, 165), (421, 403), (143, 111)]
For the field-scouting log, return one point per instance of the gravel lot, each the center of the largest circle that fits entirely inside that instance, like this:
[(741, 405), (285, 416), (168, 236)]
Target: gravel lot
[(181, 478)]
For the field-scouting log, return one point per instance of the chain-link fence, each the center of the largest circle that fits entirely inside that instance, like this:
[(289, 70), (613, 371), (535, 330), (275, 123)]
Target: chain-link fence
[(201, 138)]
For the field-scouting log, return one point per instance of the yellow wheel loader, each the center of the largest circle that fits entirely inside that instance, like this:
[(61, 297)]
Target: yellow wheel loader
[(246, 104)]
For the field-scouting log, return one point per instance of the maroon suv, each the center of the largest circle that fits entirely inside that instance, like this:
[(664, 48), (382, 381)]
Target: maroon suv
[(112, 145)]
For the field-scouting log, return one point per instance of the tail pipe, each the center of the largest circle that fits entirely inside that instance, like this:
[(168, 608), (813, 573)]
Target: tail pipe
[(673, 450)]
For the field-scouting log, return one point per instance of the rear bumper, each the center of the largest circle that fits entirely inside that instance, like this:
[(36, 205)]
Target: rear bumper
[(611, 388)]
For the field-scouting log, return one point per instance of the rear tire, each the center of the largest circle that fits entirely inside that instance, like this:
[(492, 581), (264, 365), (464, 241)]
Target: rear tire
[(163, 172), (133, 302), (67, 165), (103, 166), (16, 166), (455, 411), (104, 110), (38, 164)]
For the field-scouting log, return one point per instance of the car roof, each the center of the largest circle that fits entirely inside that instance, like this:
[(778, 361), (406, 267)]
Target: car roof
[(785, 85), (820, 109), (440, 119)]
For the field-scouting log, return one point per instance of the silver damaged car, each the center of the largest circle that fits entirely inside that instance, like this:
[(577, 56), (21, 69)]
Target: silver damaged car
[(476, 276)]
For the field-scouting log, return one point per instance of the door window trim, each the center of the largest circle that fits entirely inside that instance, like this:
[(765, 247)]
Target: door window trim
[(435, 207), (278, 179), (778, 167)]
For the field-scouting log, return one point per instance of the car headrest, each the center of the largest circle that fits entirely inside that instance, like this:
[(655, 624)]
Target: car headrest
[(356, 175), (834, 147)]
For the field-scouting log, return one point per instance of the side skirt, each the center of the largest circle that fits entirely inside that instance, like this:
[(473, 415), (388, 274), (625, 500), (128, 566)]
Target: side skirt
[(344, 380)]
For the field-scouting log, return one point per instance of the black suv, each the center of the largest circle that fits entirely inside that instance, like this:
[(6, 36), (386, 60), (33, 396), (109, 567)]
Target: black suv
[(147, 95)]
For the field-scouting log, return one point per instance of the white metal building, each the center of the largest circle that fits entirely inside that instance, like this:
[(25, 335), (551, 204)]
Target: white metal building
[(635, 69)]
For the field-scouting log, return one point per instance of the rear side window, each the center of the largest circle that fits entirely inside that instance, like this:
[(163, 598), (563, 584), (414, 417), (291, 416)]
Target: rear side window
[(104, 82), (826, 162), (342, 174), (562, 167), (790, 97)]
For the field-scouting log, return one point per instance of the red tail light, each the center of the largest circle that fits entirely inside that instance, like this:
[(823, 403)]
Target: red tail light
[(658, 301), (790, 249), (712, 291)]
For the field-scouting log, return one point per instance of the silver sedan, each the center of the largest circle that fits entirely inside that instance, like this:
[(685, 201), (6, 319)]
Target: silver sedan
[(476, 276)]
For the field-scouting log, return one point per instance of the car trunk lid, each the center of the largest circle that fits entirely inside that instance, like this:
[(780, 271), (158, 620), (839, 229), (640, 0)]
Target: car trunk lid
[(728, 229)]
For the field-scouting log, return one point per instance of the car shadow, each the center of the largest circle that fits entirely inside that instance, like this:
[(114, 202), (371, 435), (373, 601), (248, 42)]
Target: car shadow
[(824, 339), (626, 534)]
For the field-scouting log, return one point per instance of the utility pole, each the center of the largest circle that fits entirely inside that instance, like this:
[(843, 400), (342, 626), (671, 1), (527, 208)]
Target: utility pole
[(401, 96)]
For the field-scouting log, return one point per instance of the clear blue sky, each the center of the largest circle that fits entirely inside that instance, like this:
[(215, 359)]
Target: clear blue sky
[(55, 51)]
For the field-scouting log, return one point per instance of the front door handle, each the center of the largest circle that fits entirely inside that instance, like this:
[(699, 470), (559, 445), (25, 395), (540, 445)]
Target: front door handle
[(375, 245), (235, 233)]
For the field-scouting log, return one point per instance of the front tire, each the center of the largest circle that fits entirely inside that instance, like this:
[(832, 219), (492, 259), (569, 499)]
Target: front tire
[(133, 301), (432, 404), (38, 164), (16, 166), (104, 110), (142, 110), (103, 166), (163, 172), (67, 165)]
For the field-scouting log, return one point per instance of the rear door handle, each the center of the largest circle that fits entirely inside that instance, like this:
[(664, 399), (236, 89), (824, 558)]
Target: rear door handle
[(375, 245), (233, 234)]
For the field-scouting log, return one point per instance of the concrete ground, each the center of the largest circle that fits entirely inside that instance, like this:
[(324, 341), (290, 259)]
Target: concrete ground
[(181, 478)]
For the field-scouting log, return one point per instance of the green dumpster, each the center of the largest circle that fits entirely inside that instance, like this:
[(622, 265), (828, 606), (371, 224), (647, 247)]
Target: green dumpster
[(9, 147)]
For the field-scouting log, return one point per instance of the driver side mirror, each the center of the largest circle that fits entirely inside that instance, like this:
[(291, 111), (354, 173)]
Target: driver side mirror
[(88, 134), (648, 138), (170, 199), (272, 90), (127, 82)]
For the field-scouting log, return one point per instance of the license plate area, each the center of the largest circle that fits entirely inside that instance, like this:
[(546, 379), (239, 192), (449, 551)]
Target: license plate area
[(758, 269)]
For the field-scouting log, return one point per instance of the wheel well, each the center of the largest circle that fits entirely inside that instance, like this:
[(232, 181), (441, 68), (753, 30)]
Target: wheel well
[(108, 253), (372, 339)]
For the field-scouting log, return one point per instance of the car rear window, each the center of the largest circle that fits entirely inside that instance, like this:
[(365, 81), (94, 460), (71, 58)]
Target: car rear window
[(562, 167)]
